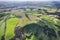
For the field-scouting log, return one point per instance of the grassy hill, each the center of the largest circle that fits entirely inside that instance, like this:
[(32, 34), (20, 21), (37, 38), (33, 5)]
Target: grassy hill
[(26, 22)]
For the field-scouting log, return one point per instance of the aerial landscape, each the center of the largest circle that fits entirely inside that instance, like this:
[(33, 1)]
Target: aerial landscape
[(29, 20)]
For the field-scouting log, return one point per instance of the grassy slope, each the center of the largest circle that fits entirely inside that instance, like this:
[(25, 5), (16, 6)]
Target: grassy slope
[(1, 30), (11, 23)]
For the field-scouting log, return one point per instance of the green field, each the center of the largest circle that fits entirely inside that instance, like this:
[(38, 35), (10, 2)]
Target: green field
[(50, 25), (11, 23)]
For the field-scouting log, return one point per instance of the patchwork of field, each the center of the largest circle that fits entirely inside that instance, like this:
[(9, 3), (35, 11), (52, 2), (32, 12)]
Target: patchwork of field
[(20, 18)]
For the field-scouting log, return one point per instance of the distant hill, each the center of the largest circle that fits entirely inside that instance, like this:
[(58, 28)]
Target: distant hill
[(36, 3)]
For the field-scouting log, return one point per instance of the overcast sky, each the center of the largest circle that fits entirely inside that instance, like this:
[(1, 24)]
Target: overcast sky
[(29, 0)]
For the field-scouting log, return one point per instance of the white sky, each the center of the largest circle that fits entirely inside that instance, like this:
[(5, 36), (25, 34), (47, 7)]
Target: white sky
[(29, 0)]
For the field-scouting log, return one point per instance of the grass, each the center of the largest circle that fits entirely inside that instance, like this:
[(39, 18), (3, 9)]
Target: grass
[(11, 23), (1, 30)]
